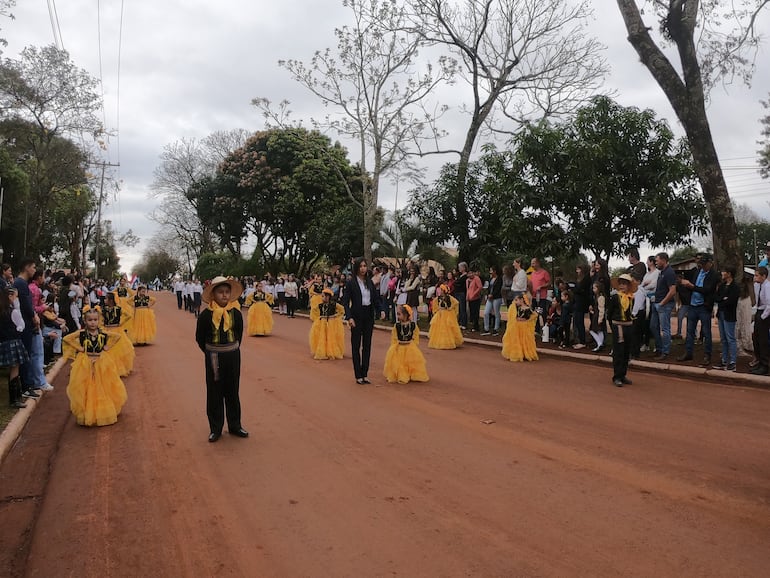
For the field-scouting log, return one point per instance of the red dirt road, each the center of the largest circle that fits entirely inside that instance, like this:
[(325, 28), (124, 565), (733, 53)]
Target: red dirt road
[(667, 477)]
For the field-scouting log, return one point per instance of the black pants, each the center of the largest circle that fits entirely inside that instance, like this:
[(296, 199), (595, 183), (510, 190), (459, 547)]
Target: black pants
[(761, 341), (291, 306), (640, 328), (196, 304), (222, 394), (622, 337), (361, 342), (178, 299), (474, 308)]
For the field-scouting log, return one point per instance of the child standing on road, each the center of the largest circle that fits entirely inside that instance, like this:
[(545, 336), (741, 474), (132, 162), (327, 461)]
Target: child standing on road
[(95, 390), (620, 312), (260, 318), (404, 361), (327, 334), (143, 326), (519, 339), (218, 333), (115, 319), (445, 331)]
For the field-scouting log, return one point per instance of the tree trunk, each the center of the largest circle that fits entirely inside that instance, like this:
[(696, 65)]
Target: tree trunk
[(687, 97)]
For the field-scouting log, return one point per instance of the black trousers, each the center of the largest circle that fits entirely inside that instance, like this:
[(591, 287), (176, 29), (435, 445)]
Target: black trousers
[(361, 343), (178, 299), (761, 340), (222, 394), (622, 338), (291, 306)]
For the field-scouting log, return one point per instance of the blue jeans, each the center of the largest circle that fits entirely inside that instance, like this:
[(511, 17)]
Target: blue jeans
[(727, 337), (36, 361), (660, 325), (492, 308), (694, 314)]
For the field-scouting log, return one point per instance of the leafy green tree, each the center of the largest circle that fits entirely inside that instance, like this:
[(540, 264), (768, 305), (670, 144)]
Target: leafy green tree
[(109, 261), (15, 184), (519, 60), (375, 84), (157, 263), (611, 178), (71, 210), (714, 41), (291, 184)]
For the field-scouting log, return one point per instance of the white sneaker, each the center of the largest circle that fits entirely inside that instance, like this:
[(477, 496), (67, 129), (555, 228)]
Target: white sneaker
[(46, 387), (644, 348)]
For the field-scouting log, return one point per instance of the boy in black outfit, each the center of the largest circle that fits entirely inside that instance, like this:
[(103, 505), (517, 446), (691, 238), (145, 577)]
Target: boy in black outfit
[(218, 334)]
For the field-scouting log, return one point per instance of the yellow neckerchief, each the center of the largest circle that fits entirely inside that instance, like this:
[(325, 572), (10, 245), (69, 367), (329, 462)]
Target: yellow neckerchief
[(219, 313), (626, 301)]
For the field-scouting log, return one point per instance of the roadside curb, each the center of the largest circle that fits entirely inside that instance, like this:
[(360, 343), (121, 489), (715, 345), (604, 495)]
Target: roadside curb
[(683, 370), (14, 428)]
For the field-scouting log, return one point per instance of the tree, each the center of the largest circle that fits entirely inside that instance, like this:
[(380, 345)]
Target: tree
[(70, 220), (157, 263), (15, 184), (374, 83), (708, 51), (46, 102), (109, 263), (290, 187), (435, 208), (611, 178), (520, 58), (184, 165), (764, 152)]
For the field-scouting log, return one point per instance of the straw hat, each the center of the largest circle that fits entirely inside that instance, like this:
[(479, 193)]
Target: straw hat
[(328, 291), (236, 289)]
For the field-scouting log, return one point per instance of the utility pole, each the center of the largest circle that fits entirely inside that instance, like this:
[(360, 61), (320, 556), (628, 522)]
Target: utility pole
[(99, 218)]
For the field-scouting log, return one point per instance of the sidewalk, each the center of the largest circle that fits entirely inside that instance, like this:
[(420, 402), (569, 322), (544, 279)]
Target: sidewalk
[(14, 428)]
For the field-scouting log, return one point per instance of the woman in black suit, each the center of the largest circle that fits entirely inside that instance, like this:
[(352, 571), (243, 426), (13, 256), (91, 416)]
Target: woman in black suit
[(360, 299)]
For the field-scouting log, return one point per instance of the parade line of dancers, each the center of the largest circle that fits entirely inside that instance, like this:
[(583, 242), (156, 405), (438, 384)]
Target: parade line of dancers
[(103, 353)]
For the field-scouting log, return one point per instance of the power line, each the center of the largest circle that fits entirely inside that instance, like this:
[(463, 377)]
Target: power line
[(99, 45), (120, 47), (54, 17)]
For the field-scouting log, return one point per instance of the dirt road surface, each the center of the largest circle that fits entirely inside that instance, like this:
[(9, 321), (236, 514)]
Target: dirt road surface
[(574, 477)]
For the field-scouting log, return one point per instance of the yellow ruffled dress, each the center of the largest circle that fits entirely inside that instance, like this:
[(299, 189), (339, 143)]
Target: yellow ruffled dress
[(519, 339), (444, 329), (316, 295), (124, 296), (143, 328), (327, 333), (404, 361), (260, 317), (95, 390), (116, 320)]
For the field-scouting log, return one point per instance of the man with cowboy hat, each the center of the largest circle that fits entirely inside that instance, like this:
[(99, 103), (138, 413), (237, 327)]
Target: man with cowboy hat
[(218, 334)]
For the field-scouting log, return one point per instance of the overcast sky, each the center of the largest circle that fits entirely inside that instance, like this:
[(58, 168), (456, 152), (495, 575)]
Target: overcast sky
[(188, 68)]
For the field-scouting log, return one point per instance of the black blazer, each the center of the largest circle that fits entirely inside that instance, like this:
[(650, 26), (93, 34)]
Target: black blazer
[(351, 300)]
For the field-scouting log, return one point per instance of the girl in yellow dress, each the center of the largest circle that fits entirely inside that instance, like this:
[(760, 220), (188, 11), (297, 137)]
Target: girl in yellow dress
[(117, 320), (519, 338), (315, 289), (404, 361), (95, 390), (260, 318), (143, 326), (327, 334), (125, 295), (444, 329)]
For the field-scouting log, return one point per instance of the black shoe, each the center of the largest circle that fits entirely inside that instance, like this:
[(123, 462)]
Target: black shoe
[(661, 357), (366, 380), (598, 349), (720, 365), (213, 436), (360, 380), (759, 370), (240, 432), (617, 382), (18, 404), (626, 381), (730, 367), (30, 393), (684, 357)]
